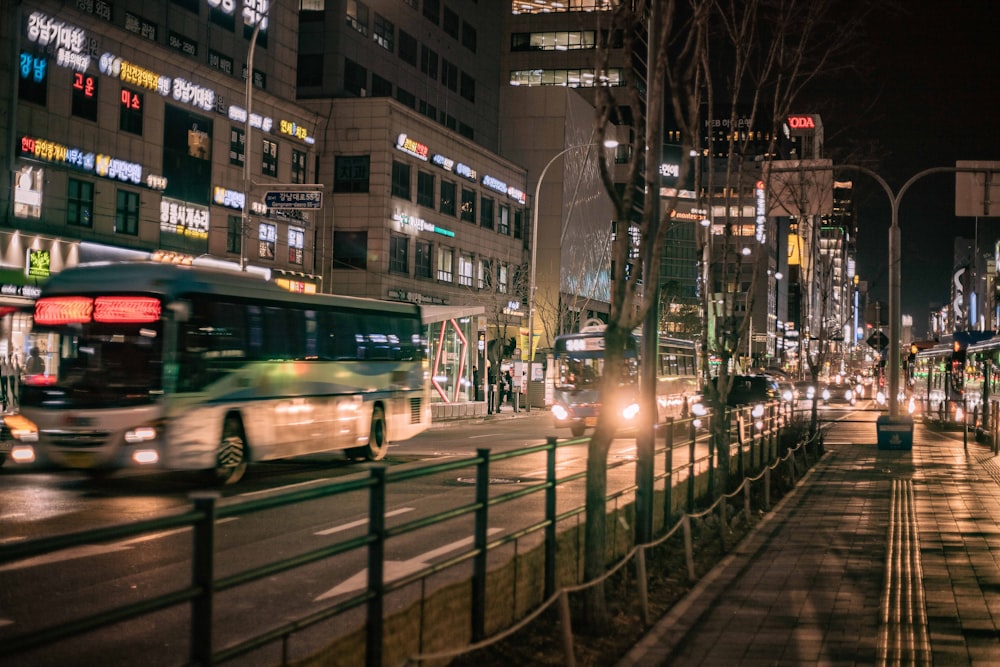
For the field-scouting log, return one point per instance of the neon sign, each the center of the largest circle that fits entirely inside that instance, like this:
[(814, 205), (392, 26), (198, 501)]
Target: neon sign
[(180, 89), (761, 212), (67, 41), (801, 122), (131, 100), (293, 129), (412, 147), (421, 225), (230, 198), (183, 218)]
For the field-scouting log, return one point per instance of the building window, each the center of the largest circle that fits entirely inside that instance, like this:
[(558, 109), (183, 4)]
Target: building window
[(465, 269), (468, 88), (130, 112), (503, 224), (570, 78), (502, 278), (432, 11), (466, 131), (355, 78), (357, 16), (447, 198), (32, 84), (234, 235), (468, 205), (429, 62), (127, 213), (422, 261), (350, 250), (446, 258), (428, 110), (221, 62), (406, 97), (269, 158), (296, 245), (401, 180), (519, 224), (399, 254), (351, 173), (407, 48), (486, 212), (450, 23), (309, 71), (267, 237), (237, 146), (298, 166), (381, 87), (468, 37), (425, 189), (449, 75), (485, 274), (385, 33), (80, 203), (84, 96)]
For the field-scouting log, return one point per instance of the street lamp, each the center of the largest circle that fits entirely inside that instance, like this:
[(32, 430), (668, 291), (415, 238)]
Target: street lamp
[(247, 145), (609, 144)]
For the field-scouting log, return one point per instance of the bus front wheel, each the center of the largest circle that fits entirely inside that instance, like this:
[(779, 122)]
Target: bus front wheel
[(231, 458), (577, 430), (378, 439)]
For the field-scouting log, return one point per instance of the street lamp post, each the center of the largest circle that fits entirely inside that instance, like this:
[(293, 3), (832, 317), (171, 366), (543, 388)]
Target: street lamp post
[(247, 145), (534, 253)]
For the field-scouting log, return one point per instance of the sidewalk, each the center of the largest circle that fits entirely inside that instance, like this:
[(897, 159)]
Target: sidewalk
[(878, 557)]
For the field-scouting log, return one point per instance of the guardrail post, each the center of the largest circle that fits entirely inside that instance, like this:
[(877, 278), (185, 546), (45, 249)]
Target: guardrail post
[(566, 622), (691, 457), (642, 582), (741, 424), (203, 577), (480, 533), (688, 547), (746, 499), (551, 536), (767, 488), (723, 521), (376, 564), (644, 482), (668, 478), (965, 424)]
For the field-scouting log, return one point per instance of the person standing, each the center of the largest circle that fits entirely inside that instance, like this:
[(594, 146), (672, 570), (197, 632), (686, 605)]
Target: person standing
[(34, 365), (5, 381)]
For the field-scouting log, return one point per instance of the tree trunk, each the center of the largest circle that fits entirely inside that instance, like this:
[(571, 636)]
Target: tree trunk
[(596, 616)]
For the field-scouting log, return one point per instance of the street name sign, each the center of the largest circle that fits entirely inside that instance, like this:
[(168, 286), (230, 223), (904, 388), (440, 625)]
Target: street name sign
[(308, 199)]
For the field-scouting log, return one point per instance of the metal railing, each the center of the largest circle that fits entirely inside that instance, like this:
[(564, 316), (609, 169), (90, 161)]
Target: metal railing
[(753, 448)]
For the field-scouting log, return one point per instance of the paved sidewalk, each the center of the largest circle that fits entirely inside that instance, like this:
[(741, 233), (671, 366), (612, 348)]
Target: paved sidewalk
[(878, 557)]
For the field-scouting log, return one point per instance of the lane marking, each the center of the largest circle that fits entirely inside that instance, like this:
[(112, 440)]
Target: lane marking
[(360, 522), (274, 489), (396, 569)]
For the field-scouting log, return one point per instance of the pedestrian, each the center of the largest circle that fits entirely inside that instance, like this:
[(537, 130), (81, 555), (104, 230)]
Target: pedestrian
[(34, 365), (5, 381), (14, 381), (508, 386), (475, 383)]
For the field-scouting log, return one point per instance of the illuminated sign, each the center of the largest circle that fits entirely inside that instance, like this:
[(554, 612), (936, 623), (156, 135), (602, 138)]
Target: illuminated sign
[(156, 182), (801, 122), (421, 225), (293, 129), (466, 171), (118, 170), (412, 147), (131, 100), (106, 309), (239, 115), (180, 89), (33, 68), (230, 198), (255, 11), (588, 344), (226, 6), (495, 184), (183, 218), (68, 42), (761, 212), (38, 263), (516, 194), (445, 163)]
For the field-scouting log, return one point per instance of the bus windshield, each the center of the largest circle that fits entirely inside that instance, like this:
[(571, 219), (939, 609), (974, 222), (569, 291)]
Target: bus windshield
[(101, 366), (586, 372)]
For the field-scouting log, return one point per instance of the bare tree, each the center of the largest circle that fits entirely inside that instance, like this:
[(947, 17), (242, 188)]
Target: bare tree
[(768, 50)]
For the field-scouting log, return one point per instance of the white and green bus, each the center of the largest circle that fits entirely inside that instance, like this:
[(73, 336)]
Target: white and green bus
[(181, 368)]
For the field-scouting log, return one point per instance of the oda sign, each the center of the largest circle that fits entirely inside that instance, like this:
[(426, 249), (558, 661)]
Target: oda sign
[(801, 123)]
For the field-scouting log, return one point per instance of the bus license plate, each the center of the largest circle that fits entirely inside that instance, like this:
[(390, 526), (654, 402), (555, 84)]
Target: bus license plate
[(80, 460)]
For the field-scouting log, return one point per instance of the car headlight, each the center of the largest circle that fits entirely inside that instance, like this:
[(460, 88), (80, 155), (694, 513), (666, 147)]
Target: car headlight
[(630, 411), (849, 395), (559, 412), (826, 394)]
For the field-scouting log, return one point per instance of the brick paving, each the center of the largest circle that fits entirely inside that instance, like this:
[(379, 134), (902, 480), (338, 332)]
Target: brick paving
[(821, 581)]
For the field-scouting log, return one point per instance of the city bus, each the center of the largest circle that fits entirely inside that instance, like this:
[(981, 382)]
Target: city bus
[(579, 366), (162, 366), (939, 379)]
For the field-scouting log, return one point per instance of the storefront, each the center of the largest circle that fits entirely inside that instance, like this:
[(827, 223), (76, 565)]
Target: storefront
[(452, 337)]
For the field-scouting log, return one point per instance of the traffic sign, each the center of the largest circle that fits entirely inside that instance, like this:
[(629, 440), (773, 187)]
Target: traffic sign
[(877, 340), (308, 199)]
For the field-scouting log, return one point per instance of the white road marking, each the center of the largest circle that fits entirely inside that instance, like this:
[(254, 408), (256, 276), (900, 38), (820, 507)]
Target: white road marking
[(275, 489), (360, 522), (396, 569)]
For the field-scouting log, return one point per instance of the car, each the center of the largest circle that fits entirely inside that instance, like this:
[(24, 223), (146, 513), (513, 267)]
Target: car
[(807, 391), (789, 394), (750, 389), (841, 394)]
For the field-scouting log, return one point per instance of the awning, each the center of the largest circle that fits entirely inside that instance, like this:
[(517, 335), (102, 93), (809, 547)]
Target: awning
[(432, 314)]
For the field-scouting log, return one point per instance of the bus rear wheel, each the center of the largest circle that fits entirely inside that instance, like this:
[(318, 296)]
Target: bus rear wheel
[(231, 457), (378, 439)]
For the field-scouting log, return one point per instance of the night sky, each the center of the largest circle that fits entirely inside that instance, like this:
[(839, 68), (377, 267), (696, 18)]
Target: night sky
[(929, 95)]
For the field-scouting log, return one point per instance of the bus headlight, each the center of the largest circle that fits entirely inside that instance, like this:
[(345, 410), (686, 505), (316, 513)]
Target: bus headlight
[(21, 428), (699, 410), (630, 411), (560, 412), (22, 454), (145, 456), (140, 434)]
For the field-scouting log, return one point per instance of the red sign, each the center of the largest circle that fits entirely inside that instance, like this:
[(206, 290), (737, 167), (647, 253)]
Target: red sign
[(131, 100), (801, 123), (84, 83)]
